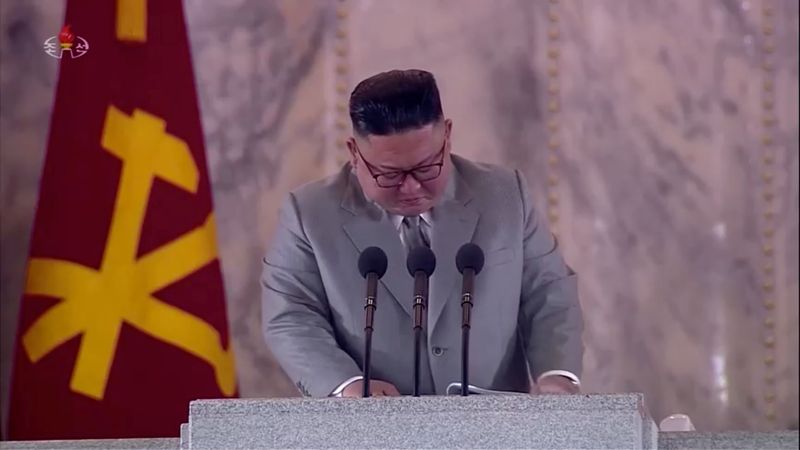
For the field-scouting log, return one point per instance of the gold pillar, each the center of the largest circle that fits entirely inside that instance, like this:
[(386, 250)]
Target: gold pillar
[(341, 52), (552, 113), (768, 200)]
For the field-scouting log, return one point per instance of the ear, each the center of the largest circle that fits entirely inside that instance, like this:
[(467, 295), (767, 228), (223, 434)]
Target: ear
[(448, 128), (351, 147)]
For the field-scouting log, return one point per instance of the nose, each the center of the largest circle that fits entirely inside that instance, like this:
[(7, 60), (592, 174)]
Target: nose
[(410, 185)]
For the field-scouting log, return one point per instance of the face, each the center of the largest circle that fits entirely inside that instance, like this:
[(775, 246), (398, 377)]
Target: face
[(388, 157)]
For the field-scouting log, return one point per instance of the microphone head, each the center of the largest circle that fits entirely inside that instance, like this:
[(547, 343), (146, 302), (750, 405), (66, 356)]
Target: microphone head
[(469, 256), (372, 259), (421, 258)]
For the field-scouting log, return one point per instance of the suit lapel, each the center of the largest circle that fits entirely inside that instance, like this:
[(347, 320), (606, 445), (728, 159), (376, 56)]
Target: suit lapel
[(453, 226), (370, 226)]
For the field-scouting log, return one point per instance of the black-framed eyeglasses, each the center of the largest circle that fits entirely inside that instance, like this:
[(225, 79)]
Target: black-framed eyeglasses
[(396, 178)]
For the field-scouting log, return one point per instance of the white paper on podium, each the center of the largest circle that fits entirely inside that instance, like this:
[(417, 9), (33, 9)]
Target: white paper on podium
[(455, 389)]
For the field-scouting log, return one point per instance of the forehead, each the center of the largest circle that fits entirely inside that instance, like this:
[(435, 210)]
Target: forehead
[(414, 144)]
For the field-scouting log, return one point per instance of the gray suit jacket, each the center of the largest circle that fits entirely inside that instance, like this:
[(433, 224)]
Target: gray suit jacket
[(526, 314)]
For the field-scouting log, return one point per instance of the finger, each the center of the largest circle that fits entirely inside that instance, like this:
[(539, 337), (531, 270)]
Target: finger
[(552, 390), (392, 391)]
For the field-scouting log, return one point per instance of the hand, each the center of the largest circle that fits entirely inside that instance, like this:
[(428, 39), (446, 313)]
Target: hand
[(377, 388), (555, 384)]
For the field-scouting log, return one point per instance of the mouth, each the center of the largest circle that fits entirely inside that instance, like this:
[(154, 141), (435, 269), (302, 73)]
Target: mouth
[(412, 201)]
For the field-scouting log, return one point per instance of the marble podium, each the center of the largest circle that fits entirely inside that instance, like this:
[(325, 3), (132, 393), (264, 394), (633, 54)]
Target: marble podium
[(595, 421), (581, 421)]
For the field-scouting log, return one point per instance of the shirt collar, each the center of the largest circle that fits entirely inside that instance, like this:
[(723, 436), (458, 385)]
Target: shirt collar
[(397, 220)]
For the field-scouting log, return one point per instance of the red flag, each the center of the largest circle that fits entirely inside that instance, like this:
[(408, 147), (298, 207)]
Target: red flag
[(123, 318)]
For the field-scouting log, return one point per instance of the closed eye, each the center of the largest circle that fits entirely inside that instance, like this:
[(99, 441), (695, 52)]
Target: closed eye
[(391, 175)]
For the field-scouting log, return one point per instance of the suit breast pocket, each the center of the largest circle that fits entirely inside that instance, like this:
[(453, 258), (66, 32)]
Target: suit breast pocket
[(498, 256)]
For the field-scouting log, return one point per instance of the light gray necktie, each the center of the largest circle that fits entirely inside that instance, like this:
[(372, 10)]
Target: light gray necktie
[(413, 235)]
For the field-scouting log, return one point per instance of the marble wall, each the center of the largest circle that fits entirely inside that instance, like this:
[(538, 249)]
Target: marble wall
[(640, 124)]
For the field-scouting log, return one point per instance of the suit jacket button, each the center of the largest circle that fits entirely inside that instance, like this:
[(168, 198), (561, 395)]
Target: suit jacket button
[(438, 351)]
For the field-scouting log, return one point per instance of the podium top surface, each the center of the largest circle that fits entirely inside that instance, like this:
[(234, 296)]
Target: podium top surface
[(472, 403)]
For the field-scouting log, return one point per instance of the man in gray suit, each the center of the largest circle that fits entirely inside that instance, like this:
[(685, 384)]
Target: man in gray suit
[(401, 188)]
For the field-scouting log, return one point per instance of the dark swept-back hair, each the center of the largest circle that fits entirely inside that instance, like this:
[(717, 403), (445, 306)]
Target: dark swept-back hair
[(394, 102)]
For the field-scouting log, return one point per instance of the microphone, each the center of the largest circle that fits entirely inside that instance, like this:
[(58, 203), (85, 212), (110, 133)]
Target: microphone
[(469, 261), (372, 264), (420, 263)]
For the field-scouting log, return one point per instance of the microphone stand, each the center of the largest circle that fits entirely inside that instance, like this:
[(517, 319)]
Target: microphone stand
[(419, 308), (466, 311), (369, 308)]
